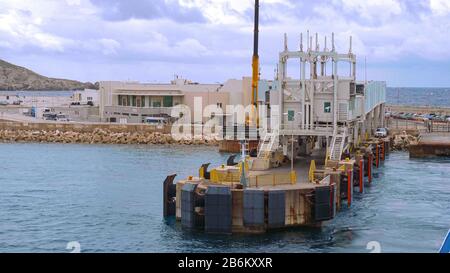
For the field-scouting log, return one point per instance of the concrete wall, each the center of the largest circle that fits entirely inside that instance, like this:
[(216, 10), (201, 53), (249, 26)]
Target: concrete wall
[(208, 98)]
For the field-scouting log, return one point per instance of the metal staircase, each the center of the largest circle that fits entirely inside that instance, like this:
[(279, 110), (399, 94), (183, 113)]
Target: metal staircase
[(337, 144), (268, 144)]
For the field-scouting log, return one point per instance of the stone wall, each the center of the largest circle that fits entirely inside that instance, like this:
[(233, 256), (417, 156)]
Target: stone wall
[(402, 141), (91, 133)]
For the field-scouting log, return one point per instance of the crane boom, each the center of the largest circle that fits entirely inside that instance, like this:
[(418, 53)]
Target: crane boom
[(255, 64)]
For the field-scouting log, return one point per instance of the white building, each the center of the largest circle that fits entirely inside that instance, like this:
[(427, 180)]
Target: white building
[(132, 102), (87, 96)]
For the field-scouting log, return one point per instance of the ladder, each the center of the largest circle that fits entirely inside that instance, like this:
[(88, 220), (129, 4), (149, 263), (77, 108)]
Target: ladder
[(268, 144), (337, 144)]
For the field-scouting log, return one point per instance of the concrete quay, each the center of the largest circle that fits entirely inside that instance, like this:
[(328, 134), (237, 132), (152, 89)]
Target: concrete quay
[(431, 145)]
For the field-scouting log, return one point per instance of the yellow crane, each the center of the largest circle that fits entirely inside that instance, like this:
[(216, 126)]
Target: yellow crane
[(255, 65)]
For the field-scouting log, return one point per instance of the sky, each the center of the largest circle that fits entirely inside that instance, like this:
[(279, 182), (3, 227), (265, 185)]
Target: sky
[(404, 42)]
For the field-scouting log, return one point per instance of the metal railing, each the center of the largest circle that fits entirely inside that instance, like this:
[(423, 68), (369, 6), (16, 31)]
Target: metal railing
[(439, 127), (311, 129)]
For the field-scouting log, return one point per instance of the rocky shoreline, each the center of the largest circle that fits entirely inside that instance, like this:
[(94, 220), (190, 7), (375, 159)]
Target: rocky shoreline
[(98, 136), (399, 142), (402, 141)]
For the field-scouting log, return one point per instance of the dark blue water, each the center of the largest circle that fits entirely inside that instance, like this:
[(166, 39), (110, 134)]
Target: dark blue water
[(418, 96), (108, 198)]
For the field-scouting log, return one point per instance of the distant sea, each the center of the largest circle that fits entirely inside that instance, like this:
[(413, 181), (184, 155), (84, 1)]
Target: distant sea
[(417, 96), (55, 93)]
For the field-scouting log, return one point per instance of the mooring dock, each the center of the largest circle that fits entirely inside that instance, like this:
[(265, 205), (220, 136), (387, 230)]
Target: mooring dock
[(215, 201)]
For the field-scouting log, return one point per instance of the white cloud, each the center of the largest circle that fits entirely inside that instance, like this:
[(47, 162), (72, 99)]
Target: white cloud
[(20, 28), (73, 2), (372, 9), (440, 7), (190, 46), (228, 12), (386, 31), (109, 46)]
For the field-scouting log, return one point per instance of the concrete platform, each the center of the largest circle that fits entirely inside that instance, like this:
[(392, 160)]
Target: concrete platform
[(431, 145), (301, 166)]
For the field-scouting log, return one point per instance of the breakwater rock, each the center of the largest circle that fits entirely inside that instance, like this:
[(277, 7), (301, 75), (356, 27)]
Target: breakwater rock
[(98, 136), (402, 141)]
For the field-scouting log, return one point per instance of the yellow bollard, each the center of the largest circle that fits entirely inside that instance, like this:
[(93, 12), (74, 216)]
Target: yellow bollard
[(214, 177), (293, 177), (201, 172), (312, 169)]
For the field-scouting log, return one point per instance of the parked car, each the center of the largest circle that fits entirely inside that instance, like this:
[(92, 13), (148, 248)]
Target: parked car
[(49, 116), (4, 103), (62, 117), (381, 132), (156, 120)]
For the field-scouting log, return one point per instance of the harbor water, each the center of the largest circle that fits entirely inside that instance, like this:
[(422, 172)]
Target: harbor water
[(108, 199), (418, 96)]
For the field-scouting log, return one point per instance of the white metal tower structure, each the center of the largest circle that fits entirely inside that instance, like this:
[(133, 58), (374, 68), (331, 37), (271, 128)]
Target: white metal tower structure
[(317, 104)]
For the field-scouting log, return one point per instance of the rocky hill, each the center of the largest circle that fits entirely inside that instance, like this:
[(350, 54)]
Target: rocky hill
[(13, 77)]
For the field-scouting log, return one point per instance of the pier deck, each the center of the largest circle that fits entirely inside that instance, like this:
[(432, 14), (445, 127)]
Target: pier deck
[(430, 145), (301, 168)]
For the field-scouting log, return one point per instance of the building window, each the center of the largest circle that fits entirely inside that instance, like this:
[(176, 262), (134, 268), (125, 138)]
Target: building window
[(156, 104), (291, 115), (140, 101), (219, 105), (133, 100), (327, 107), (352, 105), (167, 101), (123, 100)]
